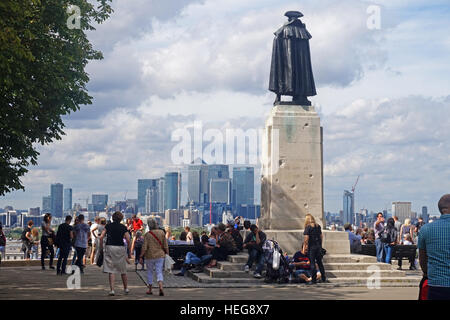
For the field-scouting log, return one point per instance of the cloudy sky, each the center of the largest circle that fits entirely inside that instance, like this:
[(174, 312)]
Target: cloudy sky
[(383, 95)]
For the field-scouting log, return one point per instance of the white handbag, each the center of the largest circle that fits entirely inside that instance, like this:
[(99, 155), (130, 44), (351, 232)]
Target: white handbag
[(276, 260), (168, 263)]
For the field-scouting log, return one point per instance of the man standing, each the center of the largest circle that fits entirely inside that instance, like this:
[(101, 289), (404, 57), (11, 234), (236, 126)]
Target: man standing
[(82, 234), (64, 238), (434, 252), (378, 227), (254, 242)]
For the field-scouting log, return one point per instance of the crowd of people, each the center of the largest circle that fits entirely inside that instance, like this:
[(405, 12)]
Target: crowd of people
[(385, 235)]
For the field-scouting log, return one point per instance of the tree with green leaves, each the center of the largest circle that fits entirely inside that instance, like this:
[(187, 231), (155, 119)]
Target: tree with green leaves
[(44, 50)]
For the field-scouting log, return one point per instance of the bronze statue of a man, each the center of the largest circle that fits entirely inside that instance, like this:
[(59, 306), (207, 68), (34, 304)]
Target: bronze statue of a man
[(291, 72)]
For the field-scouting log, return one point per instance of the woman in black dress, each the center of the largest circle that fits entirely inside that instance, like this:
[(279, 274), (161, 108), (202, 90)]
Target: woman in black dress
[(312, 247)]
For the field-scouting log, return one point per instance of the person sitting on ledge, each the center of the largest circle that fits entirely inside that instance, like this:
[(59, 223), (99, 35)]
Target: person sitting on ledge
[(196, 257), (254, 242), (238, 240), (224, 247)]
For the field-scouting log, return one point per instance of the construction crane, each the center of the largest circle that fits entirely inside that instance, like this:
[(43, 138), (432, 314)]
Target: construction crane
[(353, 192), (354, 186)]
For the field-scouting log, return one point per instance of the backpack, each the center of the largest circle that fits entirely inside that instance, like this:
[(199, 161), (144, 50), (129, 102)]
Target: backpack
[(2, 239), (139, 242), (23, 237), (385, 236)]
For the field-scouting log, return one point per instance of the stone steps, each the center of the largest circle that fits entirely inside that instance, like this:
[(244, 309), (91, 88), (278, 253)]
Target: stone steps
[(204, 278), (355, 266), (345, 269)]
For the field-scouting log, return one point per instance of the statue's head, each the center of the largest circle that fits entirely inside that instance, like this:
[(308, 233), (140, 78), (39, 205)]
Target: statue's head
[(292, 15)]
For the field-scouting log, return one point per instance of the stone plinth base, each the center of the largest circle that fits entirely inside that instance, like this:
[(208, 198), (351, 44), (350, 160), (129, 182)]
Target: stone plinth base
[(335, 242)]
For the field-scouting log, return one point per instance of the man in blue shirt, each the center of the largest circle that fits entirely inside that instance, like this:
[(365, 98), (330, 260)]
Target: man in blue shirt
[(434, 252), (355, 240), (82, 232)]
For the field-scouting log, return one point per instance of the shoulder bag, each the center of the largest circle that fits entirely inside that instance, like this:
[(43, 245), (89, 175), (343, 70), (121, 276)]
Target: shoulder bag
[(168, 261)]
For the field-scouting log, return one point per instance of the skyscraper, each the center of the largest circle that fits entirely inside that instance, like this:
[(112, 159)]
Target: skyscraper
[(218, 171), (161, 196), (243, 190), (56, 193), (220, 190), (198, 181), (172, 190), (46, 204), (402, 210), (349, 207), (67, 199), (143, 185), (151, 200), (425, 215), (99, 202)]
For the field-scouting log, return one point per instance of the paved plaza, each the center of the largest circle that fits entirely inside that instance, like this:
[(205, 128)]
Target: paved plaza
[(34, 283)]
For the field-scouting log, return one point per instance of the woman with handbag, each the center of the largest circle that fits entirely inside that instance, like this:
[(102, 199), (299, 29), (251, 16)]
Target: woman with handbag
[(115, 254), (154, 250)]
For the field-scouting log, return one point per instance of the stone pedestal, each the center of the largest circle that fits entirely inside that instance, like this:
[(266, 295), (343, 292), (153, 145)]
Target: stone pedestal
[(292, 181)]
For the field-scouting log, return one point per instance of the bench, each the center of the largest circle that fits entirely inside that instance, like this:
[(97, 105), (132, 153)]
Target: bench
[(178, 253), (399, 252)]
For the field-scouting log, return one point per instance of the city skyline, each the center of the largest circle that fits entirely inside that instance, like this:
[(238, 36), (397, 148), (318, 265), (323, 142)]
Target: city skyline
[(381, 98)]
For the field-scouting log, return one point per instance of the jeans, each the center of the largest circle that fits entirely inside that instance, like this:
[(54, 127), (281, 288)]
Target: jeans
[(315, 256), (258, 256), (387, 253), (158, 264), (62, 259), (80, 254), (438, 293), (380, 250), (34, 252), (44, 246), (191, 258)]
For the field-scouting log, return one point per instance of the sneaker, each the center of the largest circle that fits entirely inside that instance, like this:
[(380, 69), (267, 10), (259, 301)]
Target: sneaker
[(126, 291), (111, 293), (257, 275), (179, 274), (246, 268), (51, 267)]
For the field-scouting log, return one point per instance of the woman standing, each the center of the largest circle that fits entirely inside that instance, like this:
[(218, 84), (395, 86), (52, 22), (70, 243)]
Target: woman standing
[(312, 246), (406, 229), (115, 253), (154, 250), (393, 236), (47, 240), (34, 243)]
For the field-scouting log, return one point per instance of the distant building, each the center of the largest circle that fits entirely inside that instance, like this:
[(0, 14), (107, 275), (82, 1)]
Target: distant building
[(172, 190), (220, 190), (143, 185), (402, 210), (198, 181), (46, 204), (151, 199), (243, 186), (174, 217), (67, 199), (348, 207), (56, 194), (161, 195), (34, 211), (425, 215), (248, 211), (99, 202)]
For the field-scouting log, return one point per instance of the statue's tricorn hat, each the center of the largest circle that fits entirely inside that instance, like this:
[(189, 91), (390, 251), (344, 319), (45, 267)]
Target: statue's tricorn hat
[(294, 14)]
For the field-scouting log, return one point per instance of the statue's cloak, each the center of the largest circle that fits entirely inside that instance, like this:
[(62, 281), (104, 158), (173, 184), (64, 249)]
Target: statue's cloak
[(291, 71)]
